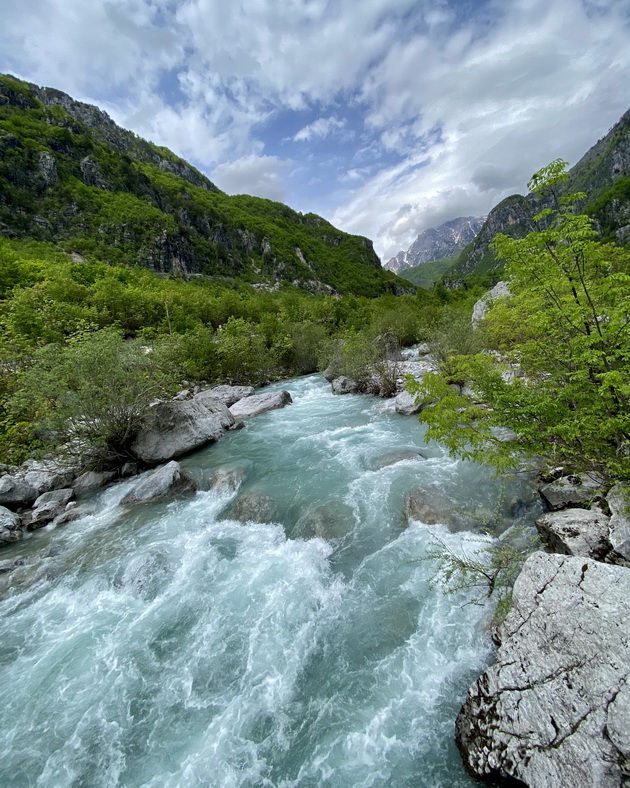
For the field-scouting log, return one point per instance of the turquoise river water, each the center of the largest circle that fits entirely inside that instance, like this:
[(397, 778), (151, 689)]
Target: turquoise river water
[(169, 646)]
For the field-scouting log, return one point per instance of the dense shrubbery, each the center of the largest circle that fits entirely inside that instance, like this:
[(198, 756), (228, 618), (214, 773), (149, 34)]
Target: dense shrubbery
[(56, 312)]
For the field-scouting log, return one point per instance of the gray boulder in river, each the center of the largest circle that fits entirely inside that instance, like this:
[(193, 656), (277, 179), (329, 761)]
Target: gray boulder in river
[(260, 403), (554, 710), (170, 479), (173, 429), (10, 526), (228, 395)]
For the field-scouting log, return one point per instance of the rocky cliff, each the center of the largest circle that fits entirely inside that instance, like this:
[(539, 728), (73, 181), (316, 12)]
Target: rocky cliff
[(437, 242), (70, 175), (603, 173)]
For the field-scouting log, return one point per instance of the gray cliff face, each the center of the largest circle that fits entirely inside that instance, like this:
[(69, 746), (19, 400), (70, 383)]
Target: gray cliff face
[(555, 708), (437, 242), (596, 172)]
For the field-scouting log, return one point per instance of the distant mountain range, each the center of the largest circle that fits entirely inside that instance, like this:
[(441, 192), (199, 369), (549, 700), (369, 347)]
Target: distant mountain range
[(603, 174), (437, 243), (71, 176)]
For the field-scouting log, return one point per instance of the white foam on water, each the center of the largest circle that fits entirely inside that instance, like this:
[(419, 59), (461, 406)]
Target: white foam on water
[(166, 647)]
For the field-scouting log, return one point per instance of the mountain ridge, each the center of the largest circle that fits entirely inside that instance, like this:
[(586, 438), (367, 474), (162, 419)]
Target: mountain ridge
[(70, 175), (436, 243)]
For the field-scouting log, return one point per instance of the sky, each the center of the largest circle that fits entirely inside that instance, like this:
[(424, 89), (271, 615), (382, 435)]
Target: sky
[(384, 116)]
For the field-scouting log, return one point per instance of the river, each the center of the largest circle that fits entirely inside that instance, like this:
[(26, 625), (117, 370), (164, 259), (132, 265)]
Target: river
[(167, 645)]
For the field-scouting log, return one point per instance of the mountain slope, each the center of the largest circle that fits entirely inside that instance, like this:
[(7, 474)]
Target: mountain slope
[(69, 174), (435, 243), (603, 173)]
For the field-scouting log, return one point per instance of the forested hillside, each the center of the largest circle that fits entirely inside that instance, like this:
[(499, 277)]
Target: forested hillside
[(70, 175)]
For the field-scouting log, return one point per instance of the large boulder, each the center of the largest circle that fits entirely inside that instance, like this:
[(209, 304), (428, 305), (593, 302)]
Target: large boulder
[(344, 385), (16, 493), (227, 480), (579, 532), (406, 404), (171, 479), (618, 500), (555, 708), (93, 480), (571, 490), (48, 506), (47, 475), (481, 307), (172, 429), (393, 456), (260, 403), (228, 395), (10, 526), (432, 508)]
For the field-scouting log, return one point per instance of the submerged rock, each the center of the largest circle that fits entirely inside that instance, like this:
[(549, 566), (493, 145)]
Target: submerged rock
[(555, 708), (331, 520), (254, 506), (227, 479), (173, 429), (393, 456), (260, 403), (432, 508), (72, 514), (228, 395), (169, 480)]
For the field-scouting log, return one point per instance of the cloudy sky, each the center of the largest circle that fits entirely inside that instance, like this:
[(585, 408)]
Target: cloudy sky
[(384, 116)]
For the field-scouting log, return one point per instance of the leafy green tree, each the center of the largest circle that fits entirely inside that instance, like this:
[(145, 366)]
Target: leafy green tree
[(565, 329), (87, 399)]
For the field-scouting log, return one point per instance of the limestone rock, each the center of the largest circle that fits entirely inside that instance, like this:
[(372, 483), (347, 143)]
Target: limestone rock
[(171, 479), (228, 395), (571, 490), (344, 385), (10, 526), (260, 403), (47, 475), (61, 497), (554, 710), (75, 513), (93, 480), (618, 499), (173, 429), (48, 506), (579, 532), (16, 493), (481, 307), (406, 404)]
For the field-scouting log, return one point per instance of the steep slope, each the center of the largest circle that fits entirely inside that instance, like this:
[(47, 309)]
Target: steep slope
[(436, 243), (70, 175), (603, 173), (426, 275)]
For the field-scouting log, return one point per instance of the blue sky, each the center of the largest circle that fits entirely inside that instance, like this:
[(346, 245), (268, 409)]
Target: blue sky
[(384, 116)]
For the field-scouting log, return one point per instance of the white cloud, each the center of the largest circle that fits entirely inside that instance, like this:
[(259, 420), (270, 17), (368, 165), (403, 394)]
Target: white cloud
[(468, 107), (322, 127), (257, 175)]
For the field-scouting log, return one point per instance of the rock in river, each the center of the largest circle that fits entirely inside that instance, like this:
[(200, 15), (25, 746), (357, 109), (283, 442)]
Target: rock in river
[(260, 403), (163, 482), (555, 708), (175, 428)]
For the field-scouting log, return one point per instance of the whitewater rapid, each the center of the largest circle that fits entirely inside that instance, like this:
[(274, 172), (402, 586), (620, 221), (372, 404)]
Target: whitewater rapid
[(171, 646)]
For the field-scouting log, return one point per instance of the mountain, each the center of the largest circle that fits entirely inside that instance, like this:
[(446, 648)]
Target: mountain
[(437, 243), (70, 175), (603, 173)]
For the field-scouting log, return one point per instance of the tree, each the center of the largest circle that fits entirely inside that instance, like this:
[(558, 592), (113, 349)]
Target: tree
[(87, 399), (565, 328)]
